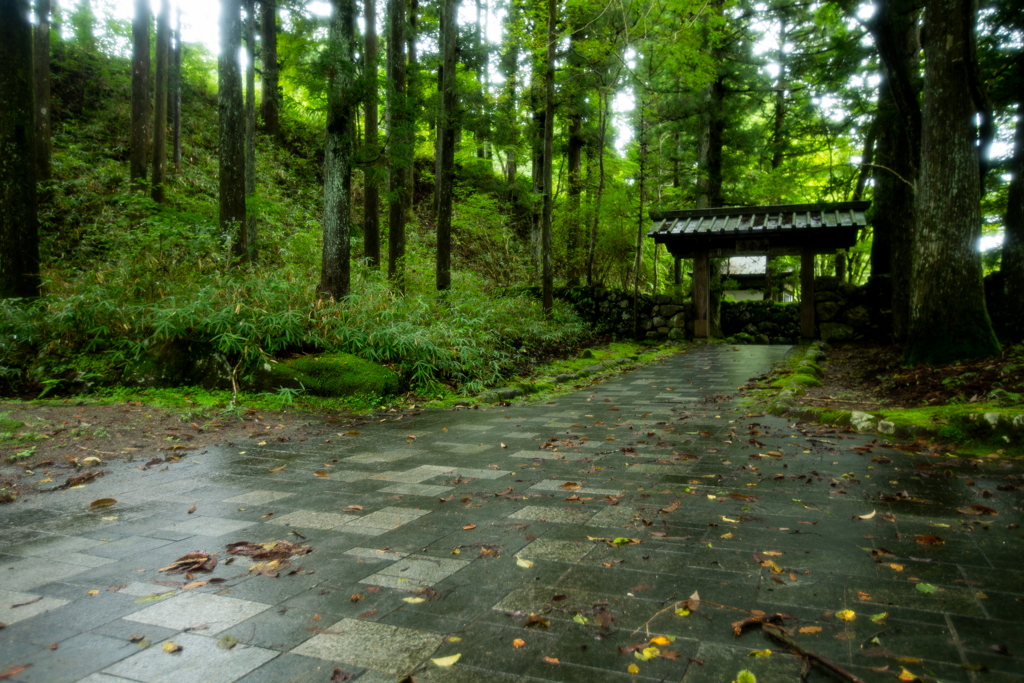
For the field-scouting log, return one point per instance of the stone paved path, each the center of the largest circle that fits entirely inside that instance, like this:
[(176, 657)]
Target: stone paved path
[(528, 493)]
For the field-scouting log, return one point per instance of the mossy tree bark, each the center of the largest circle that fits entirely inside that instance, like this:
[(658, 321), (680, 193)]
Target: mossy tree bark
[(250, 129), (342, 101), (44, 145), (574, 152), (19, 227), (1013, 237), (371, 146), (232, 130), (547, 267), (399, 150), (446, 123), (174, 93), (163, 48), (898, 152), (139, 145), (271, 96), (948, 319)]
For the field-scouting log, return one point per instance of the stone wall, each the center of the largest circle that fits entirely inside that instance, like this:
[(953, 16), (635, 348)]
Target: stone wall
[(610, 311), (847, 312), (761, 322)]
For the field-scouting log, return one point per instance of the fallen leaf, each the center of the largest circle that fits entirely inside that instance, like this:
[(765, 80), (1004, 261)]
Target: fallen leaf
[(846, 615), (518, 643), (633, 669), (868, 516), (102, 503), (227, 642), (339, 676), (14, 670), (355, 597), (525, 564), (926, 588), (468, 527), (880, 617), (278, 469), (446, 661), (321, 473), (414, 601), (93, 592), (810, 629), (907, 676), (662, 640), (365, 615), (194, 584), (552, 660), (759, 653), (928, 540), (171, 647), (534, 620), (352, 508)]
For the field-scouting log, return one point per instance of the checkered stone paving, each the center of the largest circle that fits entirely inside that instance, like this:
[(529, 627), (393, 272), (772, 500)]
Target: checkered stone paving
[(539, 542)]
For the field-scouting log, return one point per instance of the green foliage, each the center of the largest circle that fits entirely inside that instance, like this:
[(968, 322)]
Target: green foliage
[(337, 374)]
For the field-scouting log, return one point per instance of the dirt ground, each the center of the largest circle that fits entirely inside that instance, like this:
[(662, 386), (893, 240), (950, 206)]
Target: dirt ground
[(58, 440), (871, 378)]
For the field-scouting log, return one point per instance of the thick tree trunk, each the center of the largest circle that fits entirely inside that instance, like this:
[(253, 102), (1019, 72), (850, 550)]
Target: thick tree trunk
[(948, 319), (603, 108), (507, 104), (574, 160), (709, 186), (1013, 237), (371, 149), (341, 110), (174, 87), (547, 272), (446, 123), (270, 103), (898, 151), (163, 47), (412, 97), (399, 153), (19, 228), (44, 144), (231, 131), (139, 156), (250, 128)]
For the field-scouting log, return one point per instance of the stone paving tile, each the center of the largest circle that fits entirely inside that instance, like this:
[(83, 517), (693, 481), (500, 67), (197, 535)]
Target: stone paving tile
[(505, 542), (199, 660)]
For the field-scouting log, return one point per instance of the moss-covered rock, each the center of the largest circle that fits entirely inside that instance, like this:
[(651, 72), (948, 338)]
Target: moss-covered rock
[(334, 375)]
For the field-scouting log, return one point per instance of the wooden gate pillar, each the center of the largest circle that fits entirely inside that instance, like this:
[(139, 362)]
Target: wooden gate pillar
[(807, 294), (701, 295)]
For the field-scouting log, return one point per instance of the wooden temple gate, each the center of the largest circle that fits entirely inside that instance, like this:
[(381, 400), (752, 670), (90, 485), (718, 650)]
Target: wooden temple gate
[(783, 230)]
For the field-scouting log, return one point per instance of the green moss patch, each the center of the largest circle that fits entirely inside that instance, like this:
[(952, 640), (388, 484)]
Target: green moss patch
[(335, 375)]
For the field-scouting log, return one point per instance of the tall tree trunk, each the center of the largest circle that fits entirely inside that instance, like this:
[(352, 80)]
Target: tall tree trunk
[(508, 103), (140, 92), (638, 259), (341, 113), (231, 131), (44, 144), (398, 154), (371, 165), (163, 46), (547, 273), (898, 152), (446, 122), (948, 319), (1013, 236), (270, 102), (574, 159), (175, 94), (603, 101), (412, 96), (19, 228), (250, 128)]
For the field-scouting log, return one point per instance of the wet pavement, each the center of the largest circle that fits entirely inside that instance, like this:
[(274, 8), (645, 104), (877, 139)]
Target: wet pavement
[(535, 541)]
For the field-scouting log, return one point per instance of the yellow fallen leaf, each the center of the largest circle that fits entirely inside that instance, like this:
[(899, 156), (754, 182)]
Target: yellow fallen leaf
[(633, 669), (810, 629), (895, 567), (712, 496), (552, 660), (771, 553), (194, 584), (321, 473), (868, 516), (525, 564), (662, 640), (102, 503), (414, 601), (726, 519), (262, 443), (759, 653), (846, 615), (453, 639), (171, 647), (446, 661), (907, 660), (278, 469), (906, 675), (726, 535), (94, 592), (518, 643)]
